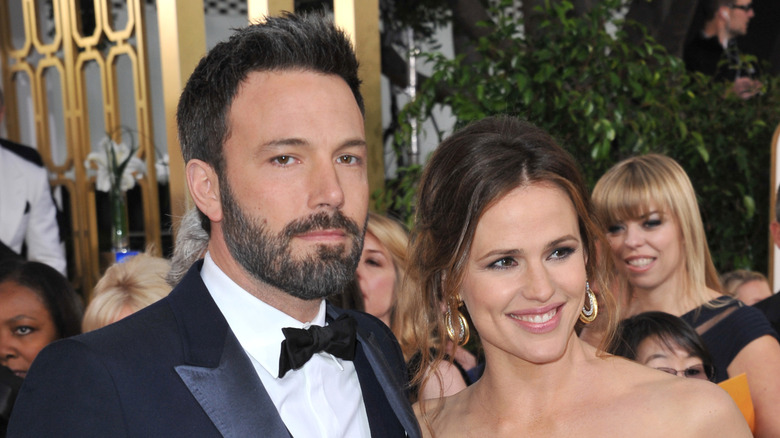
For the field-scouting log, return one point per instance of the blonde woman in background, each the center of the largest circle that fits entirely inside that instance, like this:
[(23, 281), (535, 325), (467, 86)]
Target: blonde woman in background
[(655, 231), (388, 294), (126, 288), (382, 268)]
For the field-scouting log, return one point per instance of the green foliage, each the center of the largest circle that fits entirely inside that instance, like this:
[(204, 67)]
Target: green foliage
[(398, 194), (605, 100), (423, 16)]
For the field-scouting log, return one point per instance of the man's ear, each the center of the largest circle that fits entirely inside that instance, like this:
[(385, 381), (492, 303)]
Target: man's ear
[(204, 188), (724, 13)]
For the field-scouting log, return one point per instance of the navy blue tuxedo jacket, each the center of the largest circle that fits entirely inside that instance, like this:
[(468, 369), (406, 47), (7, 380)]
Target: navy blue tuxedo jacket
[(175, 369)]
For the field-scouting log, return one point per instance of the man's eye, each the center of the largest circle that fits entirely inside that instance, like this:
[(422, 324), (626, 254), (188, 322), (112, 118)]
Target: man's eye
[(283, 160), (348, 159)]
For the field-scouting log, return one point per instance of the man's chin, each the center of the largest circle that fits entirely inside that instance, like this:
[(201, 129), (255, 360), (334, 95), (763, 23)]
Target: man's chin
[(302, 249)]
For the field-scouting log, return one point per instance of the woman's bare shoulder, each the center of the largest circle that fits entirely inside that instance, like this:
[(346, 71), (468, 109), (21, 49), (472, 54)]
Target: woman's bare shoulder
[(698, 407)]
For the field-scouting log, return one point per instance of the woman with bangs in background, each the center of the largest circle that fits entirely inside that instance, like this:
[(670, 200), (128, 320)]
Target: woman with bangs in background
[(654, 228)]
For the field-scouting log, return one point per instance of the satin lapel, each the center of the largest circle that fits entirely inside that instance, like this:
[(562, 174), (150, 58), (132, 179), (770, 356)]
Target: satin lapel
[(384, 375), (389, 384), (232, 395), (218, 372)]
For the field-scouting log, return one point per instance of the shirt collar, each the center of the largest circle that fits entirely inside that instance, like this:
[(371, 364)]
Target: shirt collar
[(257, 325)]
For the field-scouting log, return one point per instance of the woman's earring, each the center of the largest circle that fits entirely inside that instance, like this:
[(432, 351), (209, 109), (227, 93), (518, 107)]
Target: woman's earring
[(461, 337), (588, 314)]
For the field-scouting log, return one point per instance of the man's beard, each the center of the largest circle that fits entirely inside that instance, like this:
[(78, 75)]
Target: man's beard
[(268, 257)]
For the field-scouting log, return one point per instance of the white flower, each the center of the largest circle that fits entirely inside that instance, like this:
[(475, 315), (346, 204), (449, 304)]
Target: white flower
[(161, 168), (135, 169), (103, 180), (110, 160)]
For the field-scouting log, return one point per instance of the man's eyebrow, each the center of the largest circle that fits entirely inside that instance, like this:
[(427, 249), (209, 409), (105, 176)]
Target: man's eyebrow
[(355, 142), (292, 141)]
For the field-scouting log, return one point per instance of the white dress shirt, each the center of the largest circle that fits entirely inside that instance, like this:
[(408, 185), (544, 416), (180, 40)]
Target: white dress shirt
[(322, 398)]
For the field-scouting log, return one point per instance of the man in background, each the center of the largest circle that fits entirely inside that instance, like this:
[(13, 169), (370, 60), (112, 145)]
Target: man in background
[(714, 51), (28, 217)]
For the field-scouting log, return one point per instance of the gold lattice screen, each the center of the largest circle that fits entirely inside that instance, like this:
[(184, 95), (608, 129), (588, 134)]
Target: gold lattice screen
[(59, 59)]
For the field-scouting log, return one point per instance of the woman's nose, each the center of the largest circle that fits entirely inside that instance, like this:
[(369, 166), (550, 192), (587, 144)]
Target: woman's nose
[(634, 237), (539, 287)]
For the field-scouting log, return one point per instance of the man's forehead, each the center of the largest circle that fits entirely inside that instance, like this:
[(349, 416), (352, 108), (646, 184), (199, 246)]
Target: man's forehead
[(267, 101)]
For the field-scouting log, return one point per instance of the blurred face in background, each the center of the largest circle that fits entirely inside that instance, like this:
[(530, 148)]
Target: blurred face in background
[(671, 359), (26, 326), (376, 276), (753, 291), (738, 17)]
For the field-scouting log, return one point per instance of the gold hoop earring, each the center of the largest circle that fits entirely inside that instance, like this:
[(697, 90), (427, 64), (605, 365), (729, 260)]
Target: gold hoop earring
[(462, 336), (587, 315)]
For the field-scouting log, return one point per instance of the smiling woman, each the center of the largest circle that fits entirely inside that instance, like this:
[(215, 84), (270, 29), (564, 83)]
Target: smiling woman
[(659, 247), (505, 233)]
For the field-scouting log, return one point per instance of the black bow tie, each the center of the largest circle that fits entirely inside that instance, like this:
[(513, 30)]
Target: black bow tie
[(337, 338)]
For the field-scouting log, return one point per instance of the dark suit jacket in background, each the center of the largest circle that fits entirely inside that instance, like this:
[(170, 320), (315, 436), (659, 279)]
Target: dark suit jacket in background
[(771, 308), (175, 369)]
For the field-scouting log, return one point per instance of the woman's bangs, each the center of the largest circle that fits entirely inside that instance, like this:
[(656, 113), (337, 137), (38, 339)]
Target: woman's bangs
[(631, 200)]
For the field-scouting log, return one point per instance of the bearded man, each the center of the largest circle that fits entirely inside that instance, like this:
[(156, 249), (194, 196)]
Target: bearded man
[(271, 130)]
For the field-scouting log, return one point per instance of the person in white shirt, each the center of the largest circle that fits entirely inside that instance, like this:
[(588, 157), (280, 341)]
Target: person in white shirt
[(28, 216)]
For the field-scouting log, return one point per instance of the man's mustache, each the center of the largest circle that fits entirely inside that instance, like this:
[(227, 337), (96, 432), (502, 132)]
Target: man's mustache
[(322, 221)]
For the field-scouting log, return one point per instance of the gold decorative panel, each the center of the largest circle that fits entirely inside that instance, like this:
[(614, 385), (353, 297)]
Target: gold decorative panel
[(72, 54)]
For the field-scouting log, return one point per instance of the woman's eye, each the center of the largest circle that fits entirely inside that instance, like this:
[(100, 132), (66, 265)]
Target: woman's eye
[(561, 253), (23, 330), (612, 229), (503, 263), (652, 223), (373, 262)]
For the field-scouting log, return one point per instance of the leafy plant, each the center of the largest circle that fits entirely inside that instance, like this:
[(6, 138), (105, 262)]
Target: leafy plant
[(605, 100)]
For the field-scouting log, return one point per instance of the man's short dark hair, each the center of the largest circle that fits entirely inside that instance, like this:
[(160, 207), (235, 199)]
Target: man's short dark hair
[(290, 42)]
